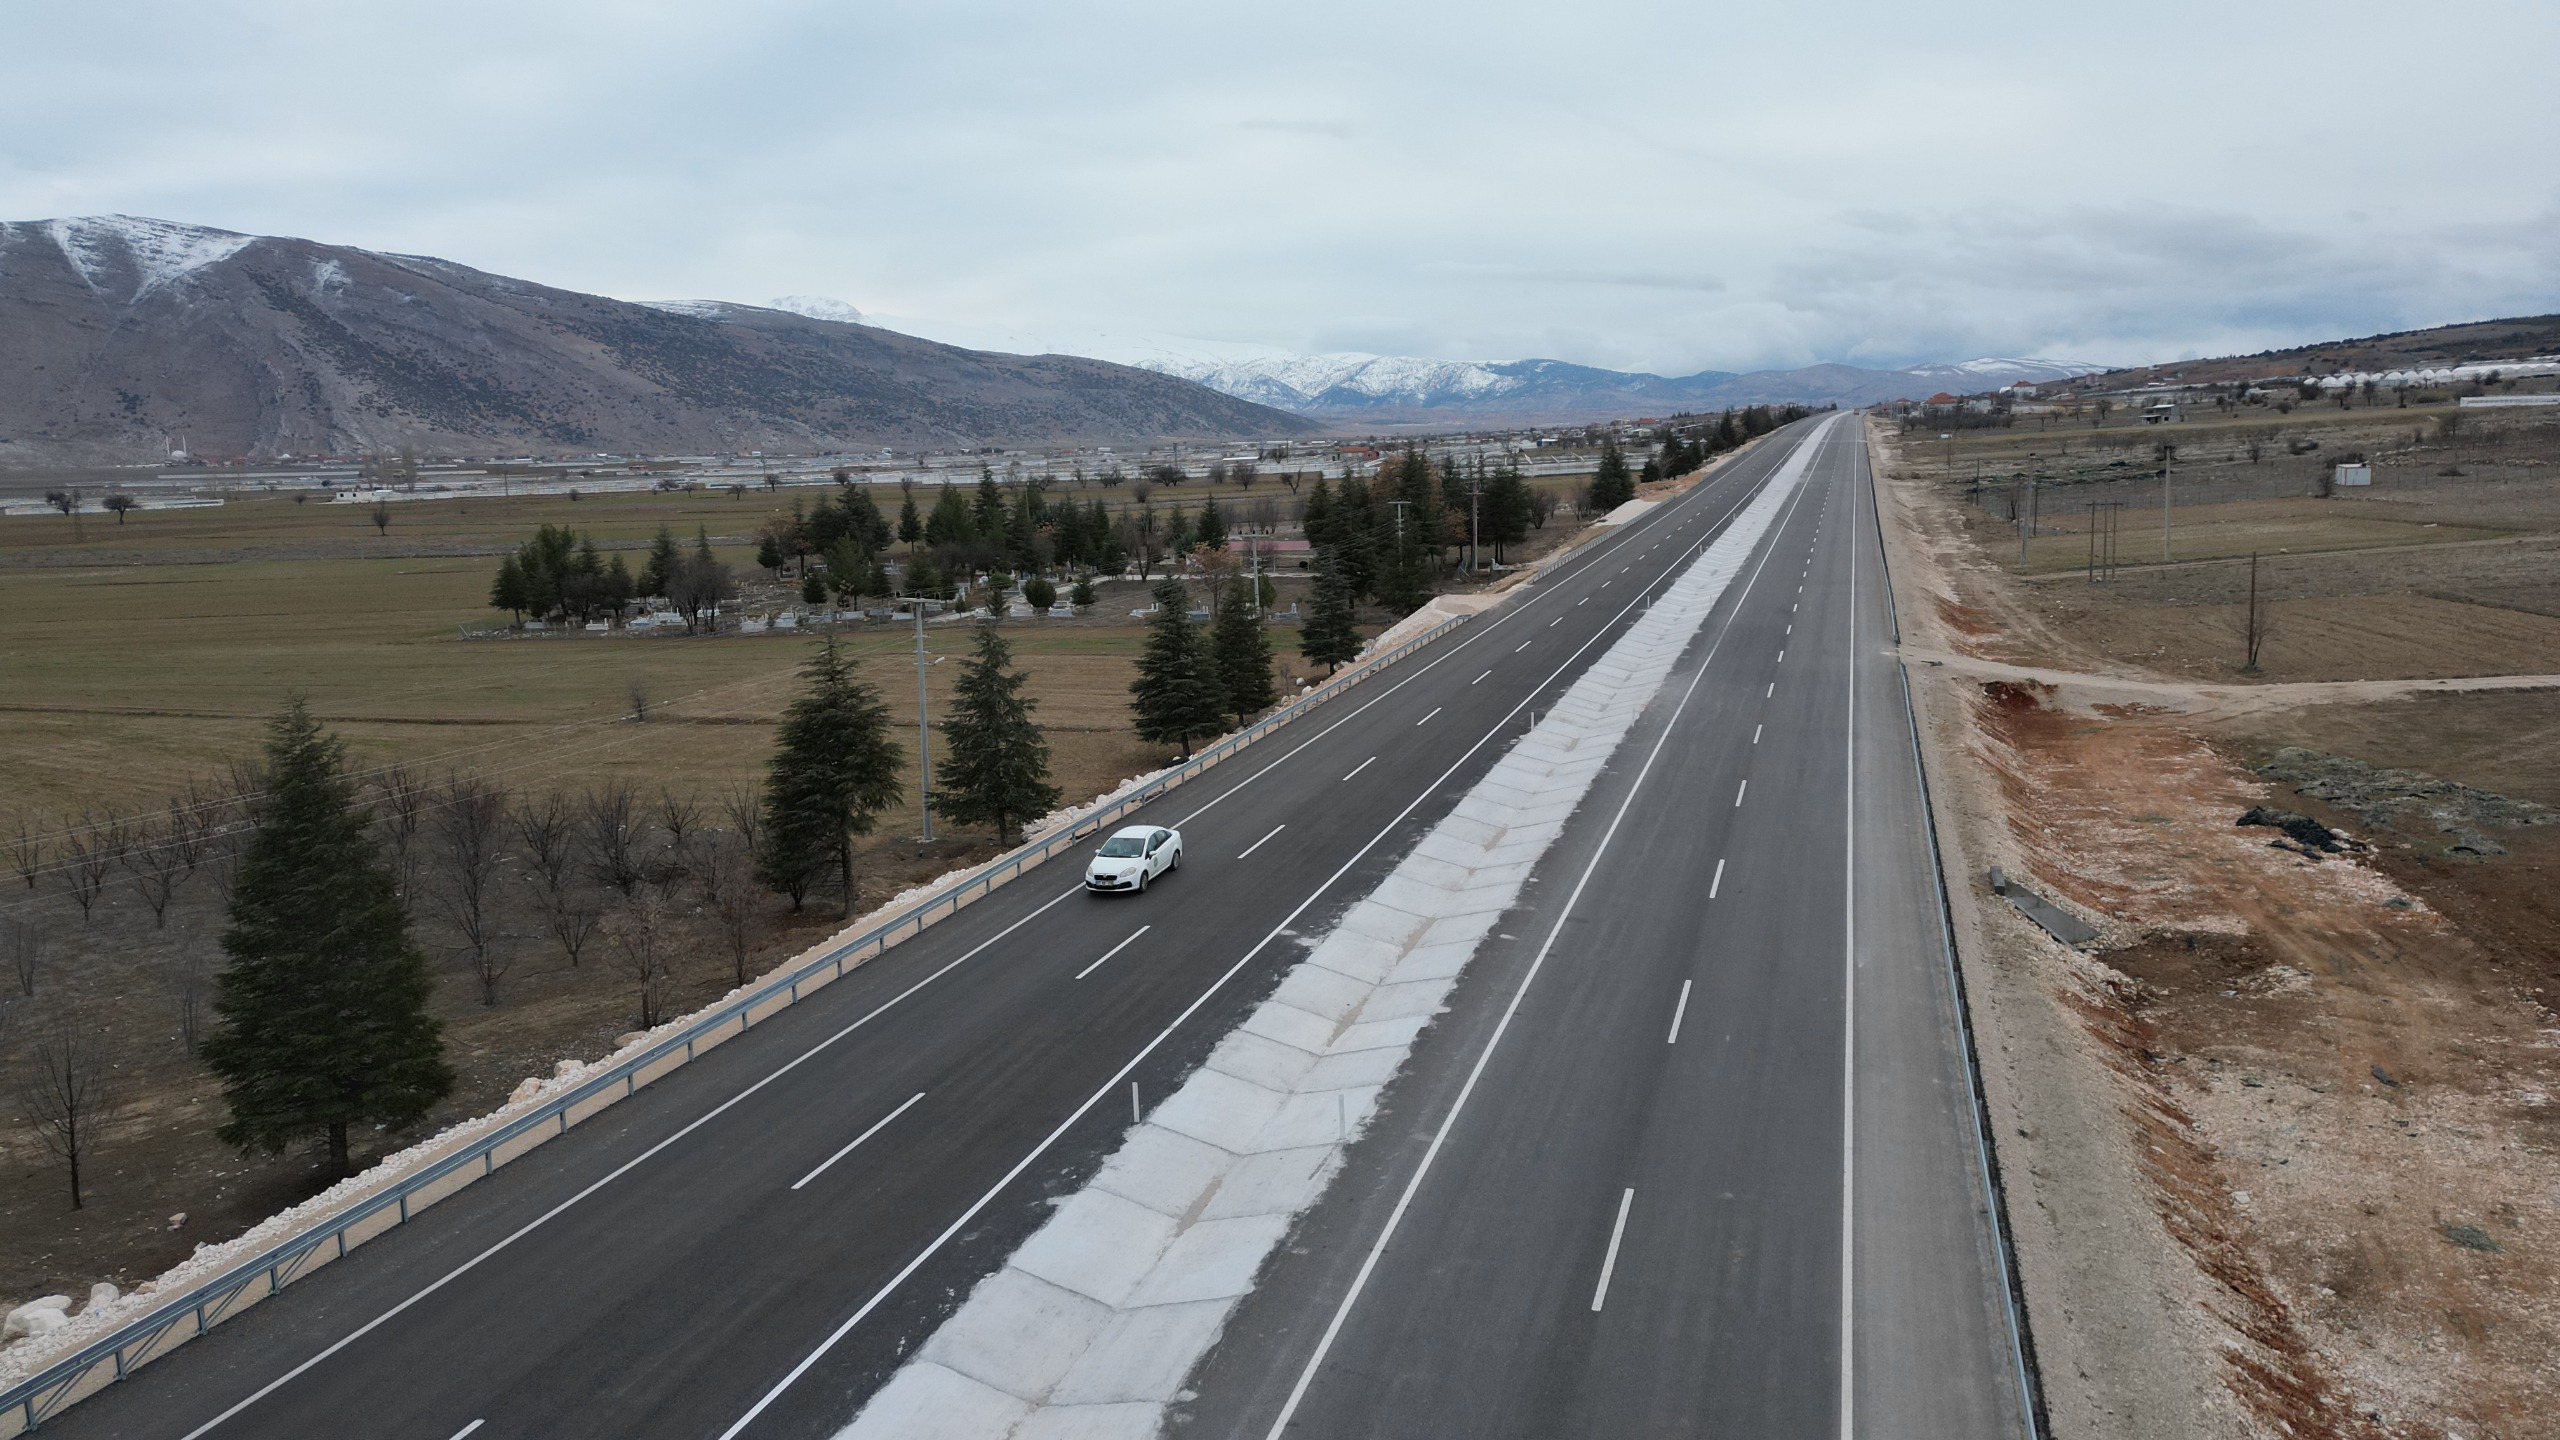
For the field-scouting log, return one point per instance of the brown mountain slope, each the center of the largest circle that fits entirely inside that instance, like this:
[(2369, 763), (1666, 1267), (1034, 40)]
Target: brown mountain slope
[(2445, 345), (119, 336)]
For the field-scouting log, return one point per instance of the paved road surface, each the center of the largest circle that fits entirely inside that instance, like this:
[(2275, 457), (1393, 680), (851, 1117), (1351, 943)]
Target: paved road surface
[(678, 1262), (1634, 1225)]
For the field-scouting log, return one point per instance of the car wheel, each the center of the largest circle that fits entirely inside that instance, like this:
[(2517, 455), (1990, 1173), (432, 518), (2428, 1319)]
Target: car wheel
[(1142, 882), (1177, 859)]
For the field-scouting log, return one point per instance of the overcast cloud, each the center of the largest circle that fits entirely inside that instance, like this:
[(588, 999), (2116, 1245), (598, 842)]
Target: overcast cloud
[(1665, 187)]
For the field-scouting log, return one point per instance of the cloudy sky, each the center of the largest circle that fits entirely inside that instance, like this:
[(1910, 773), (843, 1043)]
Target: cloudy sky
[(1666, 187)]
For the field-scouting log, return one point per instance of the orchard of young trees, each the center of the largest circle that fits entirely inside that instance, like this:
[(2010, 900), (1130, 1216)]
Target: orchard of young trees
[(559, 574)]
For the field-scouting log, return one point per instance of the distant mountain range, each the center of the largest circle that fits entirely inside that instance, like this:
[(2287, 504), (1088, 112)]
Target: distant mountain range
[(120, 336), (1387, 390)]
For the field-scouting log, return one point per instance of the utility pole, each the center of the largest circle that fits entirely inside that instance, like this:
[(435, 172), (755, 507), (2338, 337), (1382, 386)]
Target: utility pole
[(2026, 524), (2168, 459), (1475, 523), (924, 728)]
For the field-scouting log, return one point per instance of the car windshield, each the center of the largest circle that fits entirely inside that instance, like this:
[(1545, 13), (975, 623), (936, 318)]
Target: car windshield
[(1120, 847)]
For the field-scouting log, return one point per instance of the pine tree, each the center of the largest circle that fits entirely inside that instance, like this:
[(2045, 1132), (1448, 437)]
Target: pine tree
[(1611, 487), (910, 525), (321, 1008), (986, 512), (511, 592), (994, 767), (1209, 532), (949, 524), (1241, 653), (663, 559), (834, 769), (1329, 636), (1176, 694)]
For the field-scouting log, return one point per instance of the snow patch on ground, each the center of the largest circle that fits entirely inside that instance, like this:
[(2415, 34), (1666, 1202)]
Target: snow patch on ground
[(159, 251), (1093, 1324)]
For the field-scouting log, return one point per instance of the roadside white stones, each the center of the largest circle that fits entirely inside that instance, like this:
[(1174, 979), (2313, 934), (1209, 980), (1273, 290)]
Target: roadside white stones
[(1091, 1326)]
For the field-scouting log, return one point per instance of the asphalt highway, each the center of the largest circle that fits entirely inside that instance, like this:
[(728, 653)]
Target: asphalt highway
[(750, 1246), (1694, 1151)]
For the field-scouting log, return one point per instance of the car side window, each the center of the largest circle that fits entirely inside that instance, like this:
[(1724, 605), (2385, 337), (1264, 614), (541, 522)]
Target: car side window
[(1155, 842)]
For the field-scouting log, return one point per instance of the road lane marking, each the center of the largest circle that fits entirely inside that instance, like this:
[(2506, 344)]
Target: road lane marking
[(1755, 734), (1782, 657), (1773, 690), (1617, 1232), (1717, 883), (874, 1130), (1605, 584), (1425, 720), (626, 1167), (1791, 629), (1249, 849), (1140, 931), (1363, 765), (1480, 679), (1003, 1182), (467, 1429), (1559, 619), (1737, 794), (1585, 600), (1523, 645), (1677, 1011)]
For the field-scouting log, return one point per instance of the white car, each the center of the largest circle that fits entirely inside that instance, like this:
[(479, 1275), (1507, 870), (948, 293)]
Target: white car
[(1134, 856)]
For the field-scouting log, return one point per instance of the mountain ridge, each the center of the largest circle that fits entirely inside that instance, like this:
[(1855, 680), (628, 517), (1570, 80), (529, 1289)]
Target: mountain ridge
[(121, 334), (1352, 387)]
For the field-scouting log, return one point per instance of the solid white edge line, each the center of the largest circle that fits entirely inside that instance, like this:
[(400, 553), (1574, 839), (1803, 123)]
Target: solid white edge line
[(1717, 883), (1265, 840), (1677, 1011), (865, 1135), (1363, 765), (1125, 944), (714, 1113), (1440, 1137), (1849, 1027), (1609, 1262)]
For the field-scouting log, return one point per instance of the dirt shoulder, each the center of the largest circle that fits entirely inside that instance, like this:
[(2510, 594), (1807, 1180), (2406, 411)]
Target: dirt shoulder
[(2277, 1145)]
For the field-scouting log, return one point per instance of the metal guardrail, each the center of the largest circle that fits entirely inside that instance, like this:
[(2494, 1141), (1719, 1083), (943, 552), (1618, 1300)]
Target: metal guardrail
[(111, 1357)]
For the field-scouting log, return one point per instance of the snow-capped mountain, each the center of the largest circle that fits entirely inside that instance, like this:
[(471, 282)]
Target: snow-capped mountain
[(1392, 389), (124, 333)]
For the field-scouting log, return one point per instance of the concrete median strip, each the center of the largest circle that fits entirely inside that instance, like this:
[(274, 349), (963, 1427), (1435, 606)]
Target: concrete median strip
[(1090, 1328)]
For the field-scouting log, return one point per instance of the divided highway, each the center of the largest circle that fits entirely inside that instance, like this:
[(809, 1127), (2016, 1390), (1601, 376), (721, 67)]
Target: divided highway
[(749, 1247), (1694, 1151)]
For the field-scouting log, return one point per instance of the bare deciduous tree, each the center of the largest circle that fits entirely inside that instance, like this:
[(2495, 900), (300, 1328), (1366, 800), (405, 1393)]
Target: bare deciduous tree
[(638, 934), (745, 810), (91, 850), (23, 942), (26, 854), (681, 817), (406, 794), (725, 873), (2257, 619), (469, 834), (614, 827), (549, 830), (69, 1087), (157, 868)]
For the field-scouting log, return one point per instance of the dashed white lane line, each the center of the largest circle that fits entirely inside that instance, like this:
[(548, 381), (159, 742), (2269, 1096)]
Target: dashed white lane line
[(1773, 689), (1605, 584), (1782, 657), (1425, 720), (1755, 734), (1738, 793), (1479, 679), (1609, 1262), (1559, 619), (1791, 629), (1717, 883), (901, 1110), (1363, 765), (1678, 1011), (1249, 849), (467, 1429), (1523, 645), (1585, 600)]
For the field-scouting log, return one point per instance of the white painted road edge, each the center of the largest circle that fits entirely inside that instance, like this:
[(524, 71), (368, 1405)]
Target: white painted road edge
[(1090, 1328)]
